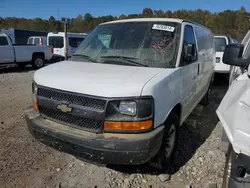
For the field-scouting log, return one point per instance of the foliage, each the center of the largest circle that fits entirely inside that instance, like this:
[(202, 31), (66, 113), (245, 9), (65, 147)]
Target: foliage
[(234, 23)]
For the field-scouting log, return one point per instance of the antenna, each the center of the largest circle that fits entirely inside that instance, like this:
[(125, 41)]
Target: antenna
[(58, 14)]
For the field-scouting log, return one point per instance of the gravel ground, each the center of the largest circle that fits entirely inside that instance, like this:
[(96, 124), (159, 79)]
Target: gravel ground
[(24, 162)]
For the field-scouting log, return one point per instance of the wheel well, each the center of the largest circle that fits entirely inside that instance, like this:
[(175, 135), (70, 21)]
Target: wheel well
[(176, 110), (40, 54)]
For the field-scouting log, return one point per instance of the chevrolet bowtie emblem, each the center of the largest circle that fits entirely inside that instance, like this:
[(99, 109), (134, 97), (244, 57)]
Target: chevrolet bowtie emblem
[(64, 108)]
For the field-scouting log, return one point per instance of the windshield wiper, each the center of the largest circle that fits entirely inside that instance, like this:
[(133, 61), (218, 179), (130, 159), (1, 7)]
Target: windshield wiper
[(129, 60), (84, 57)]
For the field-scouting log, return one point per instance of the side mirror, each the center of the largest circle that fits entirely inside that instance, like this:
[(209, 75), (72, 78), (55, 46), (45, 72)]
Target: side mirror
[(189, 53), (233, 55)]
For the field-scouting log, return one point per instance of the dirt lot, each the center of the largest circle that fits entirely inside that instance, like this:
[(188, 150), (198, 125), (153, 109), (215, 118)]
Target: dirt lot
[(24, 162)]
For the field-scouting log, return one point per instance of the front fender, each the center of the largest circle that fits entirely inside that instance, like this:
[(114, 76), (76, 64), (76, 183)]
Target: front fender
[(166, 91)]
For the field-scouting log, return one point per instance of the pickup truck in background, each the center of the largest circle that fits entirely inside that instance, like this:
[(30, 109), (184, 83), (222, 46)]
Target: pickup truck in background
[(22, 54)]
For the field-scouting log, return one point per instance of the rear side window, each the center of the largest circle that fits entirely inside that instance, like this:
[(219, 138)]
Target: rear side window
[(37, 41), (56, 41), (3, 41), (220, 44), (205, 39), (75, 42), (30, 41)]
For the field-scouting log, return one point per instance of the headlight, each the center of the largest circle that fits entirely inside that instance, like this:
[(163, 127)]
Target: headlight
[(129, 115), (34, 96), (127, 108)]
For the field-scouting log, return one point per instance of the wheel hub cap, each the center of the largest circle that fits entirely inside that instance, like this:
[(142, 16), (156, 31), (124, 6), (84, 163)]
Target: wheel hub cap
[(39, 62)]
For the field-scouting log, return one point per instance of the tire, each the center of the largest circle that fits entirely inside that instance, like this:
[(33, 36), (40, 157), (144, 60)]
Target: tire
[(38, 62), (165, 155), (206, 99), (230, 159)]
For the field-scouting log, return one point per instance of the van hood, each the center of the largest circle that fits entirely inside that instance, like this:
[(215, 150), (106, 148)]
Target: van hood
[(96, 79)]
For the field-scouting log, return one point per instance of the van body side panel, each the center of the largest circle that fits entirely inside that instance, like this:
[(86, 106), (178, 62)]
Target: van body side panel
[(206, 57)]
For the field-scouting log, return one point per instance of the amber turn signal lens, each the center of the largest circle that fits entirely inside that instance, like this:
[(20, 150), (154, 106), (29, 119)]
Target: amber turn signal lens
[(128, 126), (35, 105)]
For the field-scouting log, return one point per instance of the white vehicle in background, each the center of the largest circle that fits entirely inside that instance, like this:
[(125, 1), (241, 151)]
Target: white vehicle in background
[(124, 93), (37, 40), (22, 54), (220, 44), (56, 40), (234, 113)]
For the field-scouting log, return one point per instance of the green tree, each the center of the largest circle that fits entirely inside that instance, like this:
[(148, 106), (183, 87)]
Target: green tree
[(147, 12), (40, 25), (159, 14)]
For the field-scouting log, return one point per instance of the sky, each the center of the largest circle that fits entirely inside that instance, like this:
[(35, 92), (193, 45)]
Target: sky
[(72, 8)]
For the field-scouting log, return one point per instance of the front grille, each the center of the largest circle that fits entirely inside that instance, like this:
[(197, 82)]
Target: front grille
[(71, 120), (89, 102)]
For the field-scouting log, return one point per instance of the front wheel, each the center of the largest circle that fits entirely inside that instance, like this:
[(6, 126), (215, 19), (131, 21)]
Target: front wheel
[(165, 155), (38, 62), (206, 99)]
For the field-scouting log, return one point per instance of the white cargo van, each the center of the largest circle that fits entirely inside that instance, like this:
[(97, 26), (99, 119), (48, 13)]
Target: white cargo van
[(124, 93), (220, 44), (56, 40)]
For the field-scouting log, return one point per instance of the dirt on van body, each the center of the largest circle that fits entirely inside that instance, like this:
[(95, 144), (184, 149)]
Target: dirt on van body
[(25, 162)]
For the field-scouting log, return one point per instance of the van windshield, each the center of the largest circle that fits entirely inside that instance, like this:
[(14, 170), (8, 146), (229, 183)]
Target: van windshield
[(220, 44), (151, 44), (56, 41)]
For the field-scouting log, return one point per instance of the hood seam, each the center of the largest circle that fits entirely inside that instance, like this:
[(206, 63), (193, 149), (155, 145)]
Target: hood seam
[(150, 80)]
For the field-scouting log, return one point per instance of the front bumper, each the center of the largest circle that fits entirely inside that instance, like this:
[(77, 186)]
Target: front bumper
[(104, 148)]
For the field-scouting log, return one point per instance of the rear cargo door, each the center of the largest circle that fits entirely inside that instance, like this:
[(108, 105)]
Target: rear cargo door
[(57, 42)]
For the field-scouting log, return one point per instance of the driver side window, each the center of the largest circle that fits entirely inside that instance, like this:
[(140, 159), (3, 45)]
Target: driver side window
[(189, 46)]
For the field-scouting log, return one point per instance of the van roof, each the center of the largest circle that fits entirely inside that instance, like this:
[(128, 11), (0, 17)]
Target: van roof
[(153, 20)]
